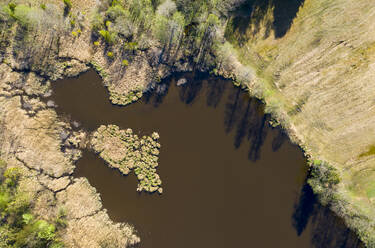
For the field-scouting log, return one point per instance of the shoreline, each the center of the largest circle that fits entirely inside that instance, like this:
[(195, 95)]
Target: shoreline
[(25, 77)]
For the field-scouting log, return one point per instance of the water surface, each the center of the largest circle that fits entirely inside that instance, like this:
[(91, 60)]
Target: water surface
[(229, 179)]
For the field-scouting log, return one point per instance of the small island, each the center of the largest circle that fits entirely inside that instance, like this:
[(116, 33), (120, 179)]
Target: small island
[(125, 151)]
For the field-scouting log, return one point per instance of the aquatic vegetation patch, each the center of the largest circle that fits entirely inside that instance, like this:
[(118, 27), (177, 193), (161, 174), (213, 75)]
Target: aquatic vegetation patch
[(125, 99), (125, 151)]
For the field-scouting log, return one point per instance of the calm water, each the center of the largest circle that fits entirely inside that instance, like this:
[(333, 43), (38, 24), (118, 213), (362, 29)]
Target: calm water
[(229, 179)]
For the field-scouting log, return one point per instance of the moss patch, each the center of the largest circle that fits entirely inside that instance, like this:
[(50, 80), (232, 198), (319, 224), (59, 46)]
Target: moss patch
[(371, 151)]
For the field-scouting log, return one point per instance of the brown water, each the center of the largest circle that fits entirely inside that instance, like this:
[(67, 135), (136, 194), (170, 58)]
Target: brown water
[(229, 179)]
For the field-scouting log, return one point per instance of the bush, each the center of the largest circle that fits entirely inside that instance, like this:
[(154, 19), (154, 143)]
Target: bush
[(12, 7), (97, 22), (130, 46), (68, 4), (107, 36), (26, 15), (325, 173), (19, 227), (167, 8), (116, 11), (125, 62), (323, 178)]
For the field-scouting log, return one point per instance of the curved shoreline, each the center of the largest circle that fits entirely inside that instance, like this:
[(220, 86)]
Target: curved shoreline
[(52, 54)]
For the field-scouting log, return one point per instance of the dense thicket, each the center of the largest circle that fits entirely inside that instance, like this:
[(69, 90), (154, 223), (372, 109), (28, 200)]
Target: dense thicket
[(188, 26), (19, 227)]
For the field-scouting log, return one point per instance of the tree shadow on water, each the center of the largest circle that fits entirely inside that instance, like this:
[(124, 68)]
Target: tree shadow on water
[(216, 89), (191, 90), (243, 115), (303, 210), (257, 134), (156, 93), (326, 229), (279, 140), (232, 110)]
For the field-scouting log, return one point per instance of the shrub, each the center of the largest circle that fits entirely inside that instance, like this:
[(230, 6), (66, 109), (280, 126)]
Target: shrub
[(12, 175), (125, 62), (323, 178), (45, 231), (116, 11), (60, 220), (107, 36), (42, 6), (68, 4), (161, 28), (97, 22), (131, 46), (167, 8), (326, 173), (19, 228), (110, 54), (12, 7), (27, 218), (22, 14)]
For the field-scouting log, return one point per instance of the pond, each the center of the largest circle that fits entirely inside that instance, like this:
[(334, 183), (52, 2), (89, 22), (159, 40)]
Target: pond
[(229, 179)]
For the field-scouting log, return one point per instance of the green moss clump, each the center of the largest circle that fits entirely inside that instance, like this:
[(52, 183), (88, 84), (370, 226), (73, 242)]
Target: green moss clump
[(107, 36), (110, 54), (125, 62), (125, 99), (99, 68), (130, 46), (371, 151), (12, 7)]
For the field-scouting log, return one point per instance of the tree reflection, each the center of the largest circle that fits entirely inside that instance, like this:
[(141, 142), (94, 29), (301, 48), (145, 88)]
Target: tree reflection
[(327, 230), (243, 114)]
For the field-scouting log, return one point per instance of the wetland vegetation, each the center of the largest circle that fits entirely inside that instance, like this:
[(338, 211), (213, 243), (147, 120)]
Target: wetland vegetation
[(310, 62), (125, 151)]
